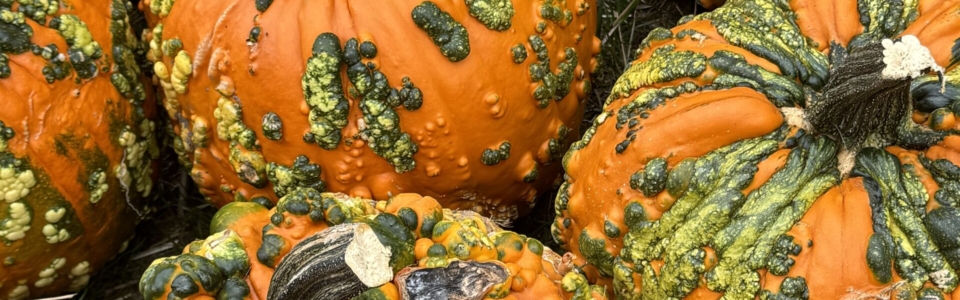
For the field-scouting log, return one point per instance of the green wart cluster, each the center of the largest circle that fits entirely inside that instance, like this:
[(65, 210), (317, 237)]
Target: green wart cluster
[(494, 14), (494, 156), (551, 86), (83, 50), (380, 126), (320, 208), (381, 123), (447, 33), (215, 266)]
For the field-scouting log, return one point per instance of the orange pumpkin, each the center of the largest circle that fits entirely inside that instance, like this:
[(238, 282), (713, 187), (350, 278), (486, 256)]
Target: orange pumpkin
[(777, 150), (259, 254), (77, 144), (472, 103)]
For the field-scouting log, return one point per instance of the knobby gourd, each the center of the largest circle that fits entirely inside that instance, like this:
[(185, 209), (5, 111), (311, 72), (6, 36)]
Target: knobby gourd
[(777, 150), (316, 245), (77, 144), (471, 102)]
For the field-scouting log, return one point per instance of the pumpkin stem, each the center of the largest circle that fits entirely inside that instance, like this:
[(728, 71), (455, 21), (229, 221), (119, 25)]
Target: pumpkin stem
[(868, 95)]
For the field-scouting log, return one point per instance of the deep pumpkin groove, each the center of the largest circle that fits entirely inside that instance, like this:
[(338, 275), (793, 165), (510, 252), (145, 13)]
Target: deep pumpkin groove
[(844, 192)]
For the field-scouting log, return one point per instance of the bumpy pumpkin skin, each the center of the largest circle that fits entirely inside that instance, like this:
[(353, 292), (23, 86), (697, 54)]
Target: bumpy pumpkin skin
[(463, 110), (77, 144), (238, 259), (677, 189)]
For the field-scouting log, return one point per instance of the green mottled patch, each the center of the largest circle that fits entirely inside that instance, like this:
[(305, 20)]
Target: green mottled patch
[(748, 240), (594, 250), (767, 29), (428, 223), (4, 66), (747, 232), (139, 149), (230, 126), (254, 36), (272, 126), (903, 220), (409, 217), (535, 246), (664, 65), (792, 288), (519, 53), (97, 185), (563, 198), (409, 96), (269, 250), (126, 75), (494, 156), (577, 285), (234, 288), (552, 86), (227, 252), (782, 91), (323, 92), (541, 27), (652, 179), (611, 230), (368, 49), (658, 34), (380, 126), (14, 32), (880, 258), (250, 166), (640, 107), (391, 233), (182, 276), (532, 175), (302, 174), (882, 19), (262, 5), (680, 176), (57, 67), (779, 262), (939, 116), (263, 201), (495, 14), (446, 33), (556, 147), (555, 11), (171, 47), (565, 73), (941, 223), (83, 50), (38, 10), (161, 7)]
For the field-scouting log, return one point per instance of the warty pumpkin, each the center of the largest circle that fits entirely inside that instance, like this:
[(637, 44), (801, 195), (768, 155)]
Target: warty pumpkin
[(316, 245), (77, 144), (777, 150), (470, 102)]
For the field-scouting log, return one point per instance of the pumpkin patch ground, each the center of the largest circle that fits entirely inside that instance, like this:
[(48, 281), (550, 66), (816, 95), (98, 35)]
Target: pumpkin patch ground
[(183, 215)]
